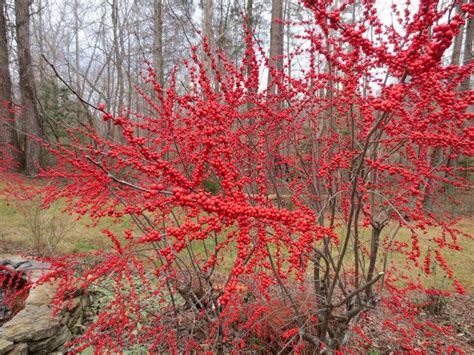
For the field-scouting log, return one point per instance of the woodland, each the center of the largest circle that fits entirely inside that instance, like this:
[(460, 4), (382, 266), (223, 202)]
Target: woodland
[(243, 176)]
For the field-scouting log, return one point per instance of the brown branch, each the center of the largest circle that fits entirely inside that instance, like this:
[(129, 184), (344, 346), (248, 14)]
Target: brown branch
[(79, 97), (123, 182), (358, 290)]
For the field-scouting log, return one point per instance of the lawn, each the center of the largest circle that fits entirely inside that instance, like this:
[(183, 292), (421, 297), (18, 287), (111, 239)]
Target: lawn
[(25, 228)]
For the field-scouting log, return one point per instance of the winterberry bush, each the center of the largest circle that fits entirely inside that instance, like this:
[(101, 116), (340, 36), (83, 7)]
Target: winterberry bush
[(264, 219)]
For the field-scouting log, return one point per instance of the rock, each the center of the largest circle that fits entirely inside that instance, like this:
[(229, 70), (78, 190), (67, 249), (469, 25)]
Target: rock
[(13, 264), (31, 324), (70, 305), (41, 295), (34, 330), (65, 317), (70, 308), (5, 346), (31, 268), (76, 315), (19, 349), (77, 327), (32, 265), (49, 345)]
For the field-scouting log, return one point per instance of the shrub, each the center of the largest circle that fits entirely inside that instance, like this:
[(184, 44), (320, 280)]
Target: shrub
[(359, 148)]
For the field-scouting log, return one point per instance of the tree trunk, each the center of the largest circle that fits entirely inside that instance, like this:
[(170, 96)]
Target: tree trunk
[(456, 55), (276, 43), (467, 59), (77, 46), (118, 55), (249, 24), (8, 137), (275, 64), (29, 111), (374, 249), (40, 38), (158, 41), (207, 20), (249, 14), (455, 60)]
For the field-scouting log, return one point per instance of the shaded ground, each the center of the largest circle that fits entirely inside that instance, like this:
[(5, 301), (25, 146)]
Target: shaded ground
[(458, 314)]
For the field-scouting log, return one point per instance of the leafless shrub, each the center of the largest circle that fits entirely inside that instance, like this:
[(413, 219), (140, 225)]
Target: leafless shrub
[(48, 228)]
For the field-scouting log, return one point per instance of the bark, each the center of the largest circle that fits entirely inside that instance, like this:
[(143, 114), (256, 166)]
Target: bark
[(287, 16), (250, 25), (467, 59), (158, 41), (456, 55), (276, 43), (118, 56), (8, 137), (249, 14), (275, 64), (29, 112), (40, 37), (455, 60), (374, 248), (207, 20), (77, 45)]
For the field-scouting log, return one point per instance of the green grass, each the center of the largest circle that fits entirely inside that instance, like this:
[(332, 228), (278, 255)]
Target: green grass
[(80, 236), (462, 262), (15, 236)]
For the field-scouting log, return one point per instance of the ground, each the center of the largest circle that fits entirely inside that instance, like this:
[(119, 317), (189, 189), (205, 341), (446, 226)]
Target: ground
[(458, 314), (19, 220)]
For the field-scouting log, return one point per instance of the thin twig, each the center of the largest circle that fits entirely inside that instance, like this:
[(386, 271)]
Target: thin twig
[(69, 86)]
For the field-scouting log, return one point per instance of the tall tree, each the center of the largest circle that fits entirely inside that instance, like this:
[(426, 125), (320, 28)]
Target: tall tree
[(118, 53), (207, 19), (275, 66), (276, 42), (467, 58), (29, 111), (456, 55), (158, 40), (250, 27), (249, 14), (8, 136)]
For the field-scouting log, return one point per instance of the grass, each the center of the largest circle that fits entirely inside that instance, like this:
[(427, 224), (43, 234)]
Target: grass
[(16, 236), (462, 262), (79, 236)]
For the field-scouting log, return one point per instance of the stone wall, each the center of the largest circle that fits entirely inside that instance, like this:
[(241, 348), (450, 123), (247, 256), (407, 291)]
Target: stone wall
[(34, 330)]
